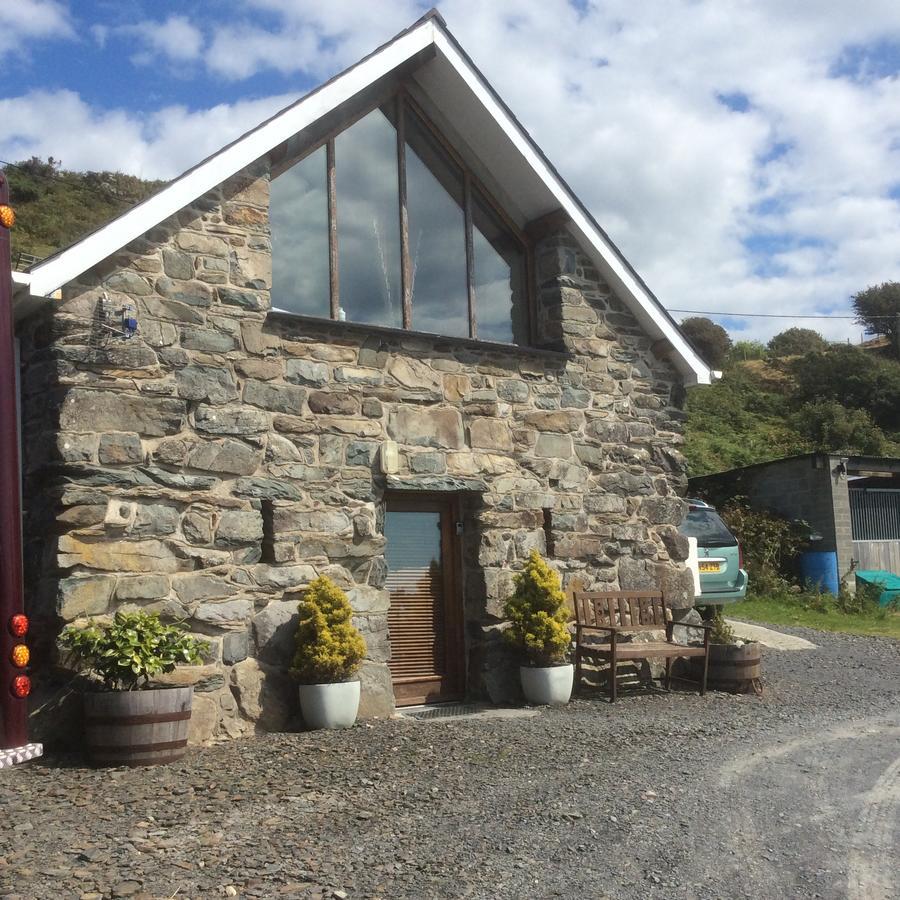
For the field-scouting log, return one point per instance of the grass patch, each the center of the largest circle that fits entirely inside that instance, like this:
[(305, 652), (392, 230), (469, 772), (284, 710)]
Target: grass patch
[(778, 611)]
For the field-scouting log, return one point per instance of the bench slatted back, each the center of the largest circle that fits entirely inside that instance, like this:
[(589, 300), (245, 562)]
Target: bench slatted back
[(642, 610)]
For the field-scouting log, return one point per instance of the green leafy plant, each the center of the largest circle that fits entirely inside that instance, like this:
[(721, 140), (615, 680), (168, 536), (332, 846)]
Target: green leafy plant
[(329, 648), (131, 649), (770, 543), (537, 614), (721, 632)]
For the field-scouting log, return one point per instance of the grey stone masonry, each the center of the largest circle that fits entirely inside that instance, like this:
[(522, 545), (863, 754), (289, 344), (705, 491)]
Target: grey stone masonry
[(213, 465)]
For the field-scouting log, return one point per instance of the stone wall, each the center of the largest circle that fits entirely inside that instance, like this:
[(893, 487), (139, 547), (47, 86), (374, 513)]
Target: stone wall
[(213, 464)]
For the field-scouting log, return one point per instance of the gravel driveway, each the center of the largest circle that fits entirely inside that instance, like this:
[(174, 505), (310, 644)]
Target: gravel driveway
[(795, 794)]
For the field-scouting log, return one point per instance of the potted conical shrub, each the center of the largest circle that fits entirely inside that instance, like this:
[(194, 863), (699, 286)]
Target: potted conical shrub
[(129, 720), (328, 653), (538, 621)]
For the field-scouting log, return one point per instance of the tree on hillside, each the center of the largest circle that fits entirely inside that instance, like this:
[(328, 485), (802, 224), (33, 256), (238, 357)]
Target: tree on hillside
[(878, 308), (797, 341), (710, 340), (853, 378), (832, 428)]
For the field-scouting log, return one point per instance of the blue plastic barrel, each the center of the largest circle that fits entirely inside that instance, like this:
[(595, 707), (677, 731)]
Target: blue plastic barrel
[(818, 569)]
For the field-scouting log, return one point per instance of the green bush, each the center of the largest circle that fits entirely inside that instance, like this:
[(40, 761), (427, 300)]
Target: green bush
[(329, 648), (797, 341), (831, 427), (537, 614), (131, 649), (864, 601), (853, 378), (770, 544), (708, 338)]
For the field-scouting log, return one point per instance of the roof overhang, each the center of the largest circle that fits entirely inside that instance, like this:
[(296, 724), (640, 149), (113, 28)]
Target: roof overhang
[(465, 104)]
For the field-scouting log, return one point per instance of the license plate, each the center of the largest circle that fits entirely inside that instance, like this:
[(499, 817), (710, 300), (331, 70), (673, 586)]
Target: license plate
[(709, 567)]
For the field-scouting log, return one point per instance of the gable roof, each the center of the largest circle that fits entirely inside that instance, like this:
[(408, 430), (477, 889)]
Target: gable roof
[(469, 108)]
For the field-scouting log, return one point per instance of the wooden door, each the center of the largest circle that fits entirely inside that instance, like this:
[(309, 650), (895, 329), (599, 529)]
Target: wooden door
[(425, 614)]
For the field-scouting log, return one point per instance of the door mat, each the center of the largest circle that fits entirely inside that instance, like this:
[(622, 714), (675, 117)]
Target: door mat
[(448, 711), (442, 710)]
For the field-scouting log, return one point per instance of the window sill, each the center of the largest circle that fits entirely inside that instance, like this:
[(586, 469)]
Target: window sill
[(493, 347)]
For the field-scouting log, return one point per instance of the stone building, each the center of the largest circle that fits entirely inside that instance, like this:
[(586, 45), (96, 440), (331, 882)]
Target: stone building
[(378, 338)]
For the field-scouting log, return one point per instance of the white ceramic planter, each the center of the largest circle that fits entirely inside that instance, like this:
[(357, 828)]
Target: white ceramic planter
[(330, 705), (551, 686)]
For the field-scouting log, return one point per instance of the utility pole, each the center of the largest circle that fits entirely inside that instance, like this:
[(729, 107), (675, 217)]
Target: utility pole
[(15, 685)]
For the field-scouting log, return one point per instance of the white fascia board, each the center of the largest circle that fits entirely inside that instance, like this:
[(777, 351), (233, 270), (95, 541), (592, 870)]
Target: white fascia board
[(694, 370), (20, 280), (120, 232)]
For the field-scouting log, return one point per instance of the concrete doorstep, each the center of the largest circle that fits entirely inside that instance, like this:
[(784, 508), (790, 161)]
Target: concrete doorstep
[(769, 638)]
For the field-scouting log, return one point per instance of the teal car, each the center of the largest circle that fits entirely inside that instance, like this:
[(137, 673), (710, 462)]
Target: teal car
[(723, 578)]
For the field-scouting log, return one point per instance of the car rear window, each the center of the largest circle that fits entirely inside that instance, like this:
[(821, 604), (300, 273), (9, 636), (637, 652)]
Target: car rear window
[(707, 527)]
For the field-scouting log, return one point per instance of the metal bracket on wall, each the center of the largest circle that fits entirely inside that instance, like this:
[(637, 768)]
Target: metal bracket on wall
[(124, 317)]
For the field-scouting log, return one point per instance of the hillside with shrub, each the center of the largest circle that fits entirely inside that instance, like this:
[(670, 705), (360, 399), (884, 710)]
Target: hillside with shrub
[(55, 207), (795, 395)]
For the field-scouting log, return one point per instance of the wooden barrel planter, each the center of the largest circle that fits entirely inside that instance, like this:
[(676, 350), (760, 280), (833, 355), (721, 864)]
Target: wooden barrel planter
[(137, 728), (735, 669)]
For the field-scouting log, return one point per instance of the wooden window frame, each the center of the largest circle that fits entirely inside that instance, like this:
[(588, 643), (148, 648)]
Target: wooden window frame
[(403, 101)]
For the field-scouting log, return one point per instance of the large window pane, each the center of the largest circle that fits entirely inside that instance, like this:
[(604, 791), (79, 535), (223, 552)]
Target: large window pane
[(437, 235), (500, 302), (368, 222), (298, 216)]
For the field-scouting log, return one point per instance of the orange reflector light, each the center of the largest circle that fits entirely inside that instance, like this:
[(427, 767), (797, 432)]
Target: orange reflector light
[(21, 686), (20, 655), (18, 625), (7, 216)]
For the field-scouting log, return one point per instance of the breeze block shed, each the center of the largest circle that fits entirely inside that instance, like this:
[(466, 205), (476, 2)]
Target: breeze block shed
[(378, 338)]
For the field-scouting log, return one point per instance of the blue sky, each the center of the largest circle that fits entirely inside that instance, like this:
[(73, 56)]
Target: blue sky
[(744, 155)]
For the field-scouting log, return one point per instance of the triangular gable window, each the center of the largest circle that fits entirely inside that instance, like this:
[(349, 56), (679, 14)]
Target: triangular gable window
[(384, 225)]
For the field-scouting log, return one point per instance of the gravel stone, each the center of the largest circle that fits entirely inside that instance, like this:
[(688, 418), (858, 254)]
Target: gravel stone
[(659, 796)]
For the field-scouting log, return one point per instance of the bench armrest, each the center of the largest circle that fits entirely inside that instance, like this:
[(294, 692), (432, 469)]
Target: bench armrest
[(610, 628), (704, 625)]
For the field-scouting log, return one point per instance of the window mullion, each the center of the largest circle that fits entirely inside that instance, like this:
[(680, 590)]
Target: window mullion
[(470, 253), (332, 232), (405, 269)]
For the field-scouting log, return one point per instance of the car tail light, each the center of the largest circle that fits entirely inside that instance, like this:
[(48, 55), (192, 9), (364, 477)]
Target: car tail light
[(20, 656), (21, 686), (740, 556)]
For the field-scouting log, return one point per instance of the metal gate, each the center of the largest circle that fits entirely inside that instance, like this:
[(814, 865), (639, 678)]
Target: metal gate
[(875, 514)]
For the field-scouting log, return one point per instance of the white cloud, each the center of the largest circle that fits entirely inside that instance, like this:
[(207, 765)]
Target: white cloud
[(241, 50), (312, 37), (175, 39), (161, 145), (22, 21), (778, 203)]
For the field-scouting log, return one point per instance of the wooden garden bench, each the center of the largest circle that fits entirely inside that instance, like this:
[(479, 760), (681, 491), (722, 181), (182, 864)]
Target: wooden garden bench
[(600, 614)]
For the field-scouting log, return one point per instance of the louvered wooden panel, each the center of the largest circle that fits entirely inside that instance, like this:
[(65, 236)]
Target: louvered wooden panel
[(415, 583)]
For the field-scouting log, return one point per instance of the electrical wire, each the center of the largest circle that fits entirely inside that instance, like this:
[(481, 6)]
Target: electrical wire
[(694, 312), (742, 315)]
